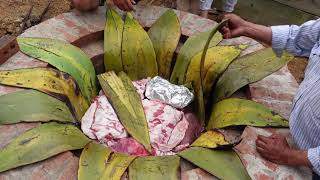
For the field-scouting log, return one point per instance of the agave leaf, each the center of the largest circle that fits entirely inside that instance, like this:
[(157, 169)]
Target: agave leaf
[(234, 112), (248, 69), (217, 60), (112, 42), (92, 162), (138, 56), (222, 164), (116, 166), (200, 105), (210, 139), (32, 106), (155, 168), (66, 58), (127, 104), (41, 143), (49, 81), (165, 34), (191, 47)]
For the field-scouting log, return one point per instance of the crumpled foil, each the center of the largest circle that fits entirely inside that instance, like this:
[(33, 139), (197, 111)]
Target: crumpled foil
[(160, 89)]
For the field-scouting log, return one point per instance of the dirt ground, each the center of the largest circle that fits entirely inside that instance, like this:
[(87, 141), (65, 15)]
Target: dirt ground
[(18, 15)]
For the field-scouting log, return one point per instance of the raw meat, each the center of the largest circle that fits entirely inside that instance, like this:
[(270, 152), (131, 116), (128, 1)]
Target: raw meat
[(169, 128)]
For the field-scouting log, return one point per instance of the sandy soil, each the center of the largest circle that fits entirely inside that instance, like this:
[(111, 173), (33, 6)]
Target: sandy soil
[(17, 15)]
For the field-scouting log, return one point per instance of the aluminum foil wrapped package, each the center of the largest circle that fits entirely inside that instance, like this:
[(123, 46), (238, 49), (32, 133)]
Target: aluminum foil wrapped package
[(160, 89)]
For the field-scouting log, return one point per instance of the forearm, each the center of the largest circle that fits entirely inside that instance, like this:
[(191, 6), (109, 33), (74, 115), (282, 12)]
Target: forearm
[(298, 158), (259, 32)]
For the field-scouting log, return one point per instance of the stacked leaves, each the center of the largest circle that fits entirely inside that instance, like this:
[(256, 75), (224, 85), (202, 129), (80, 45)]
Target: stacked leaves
[(128, 47), (131, 54)]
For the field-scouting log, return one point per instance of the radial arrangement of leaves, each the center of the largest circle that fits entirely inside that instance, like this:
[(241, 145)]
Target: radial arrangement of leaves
[(59, 98)]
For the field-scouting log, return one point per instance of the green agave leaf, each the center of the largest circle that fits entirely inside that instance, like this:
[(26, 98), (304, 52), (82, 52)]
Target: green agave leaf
[(116, 166), (41, 143), (248, 69), (32, 106), (49, 81), (137, 51), (199, 88), (112, 42), (234, 112), (222, 164), (217, 60), (191, 47), (165, 34), (66, 58), (127, 104), (210, 139), (155, 168), (92, 162)]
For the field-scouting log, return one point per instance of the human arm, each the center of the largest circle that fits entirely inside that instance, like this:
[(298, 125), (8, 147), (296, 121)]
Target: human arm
[(298, 40), (276, 149), (87, 5)]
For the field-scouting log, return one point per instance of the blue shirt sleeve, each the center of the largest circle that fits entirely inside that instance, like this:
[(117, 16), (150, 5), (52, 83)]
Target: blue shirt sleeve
[(314, 158), (298, 40)]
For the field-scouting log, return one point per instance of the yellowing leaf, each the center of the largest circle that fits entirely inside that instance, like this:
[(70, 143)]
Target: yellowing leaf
[(165, 34), (235, 112), (116, 166), (49, 81), (112, 42), (41, 143), (191, 47), (92, 162), (217, 60), (155, 168), (66, 58), (138, 56), (210, 139), (127, 104), (32, 106)]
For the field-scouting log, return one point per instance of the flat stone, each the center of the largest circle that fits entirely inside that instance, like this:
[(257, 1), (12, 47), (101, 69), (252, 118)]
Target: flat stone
[(197, 174), (8, 132), (275, 91), (61, 167), (261, 169)]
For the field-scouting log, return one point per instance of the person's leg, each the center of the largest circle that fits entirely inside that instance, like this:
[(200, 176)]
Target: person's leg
[(205, 6), (229, 5)]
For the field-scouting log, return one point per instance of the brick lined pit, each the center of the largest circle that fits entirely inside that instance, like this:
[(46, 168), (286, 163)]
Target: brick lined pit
[(85, 30)]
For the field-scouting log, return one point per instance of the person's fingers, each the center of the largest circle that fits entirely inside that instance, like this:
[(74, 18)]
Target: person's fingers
[(122, 6), (223, 30), (262, 144), (264, 139), (130, 6), (133, 2), (237, 32)]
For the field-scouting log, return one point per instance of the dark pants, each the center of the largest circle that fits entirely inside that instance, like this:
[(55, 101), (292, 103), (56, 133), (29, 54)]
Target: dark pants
[(315, 177)]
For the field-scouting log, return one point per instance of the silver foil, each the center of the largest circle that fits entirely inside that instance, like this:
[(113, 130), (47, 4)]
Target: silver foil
[(160, 89)]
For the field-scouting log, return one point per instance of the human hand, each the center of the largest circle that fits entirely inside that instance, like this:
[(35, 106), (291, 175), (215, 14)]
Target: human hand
[(125, 5), (277, 150), (235, 27), (85, 5)]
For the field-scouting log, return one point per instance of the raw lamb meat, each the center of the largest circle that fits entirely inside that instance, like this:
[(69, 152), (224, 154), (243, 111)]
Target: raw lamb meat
[(169, 128)]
